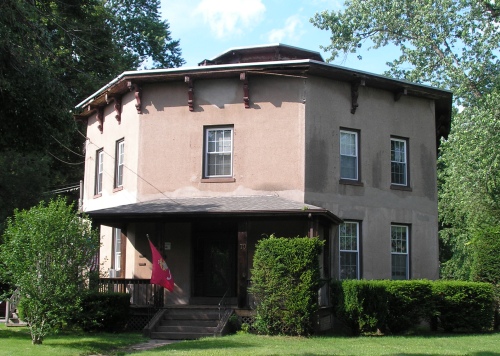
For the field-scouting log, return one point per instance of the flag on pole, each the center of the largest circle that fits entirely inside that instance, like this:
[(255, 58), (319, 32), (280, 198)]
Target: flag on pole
[(161, 273)]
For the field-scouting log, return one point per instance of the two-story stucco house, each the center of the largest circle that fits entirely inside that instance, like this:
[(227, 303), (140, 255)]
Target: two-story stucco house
[(263, 140)]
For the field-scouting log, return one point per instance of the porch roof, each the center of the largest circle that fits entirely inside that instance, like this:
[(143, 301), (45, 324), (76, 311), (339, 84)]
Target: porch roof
[(263, 206)]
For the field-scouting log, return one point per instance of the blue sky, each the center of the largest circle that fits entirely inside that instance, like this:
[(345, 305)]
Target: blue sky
[(207, 28)]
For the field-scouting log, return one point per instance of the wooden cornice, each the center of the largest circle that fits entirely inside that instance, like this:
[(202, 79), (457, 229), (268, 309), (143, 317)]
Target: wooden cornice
[(99, 117), (246, 95), (189, 82), (355, 93), (136, 88), (117, 104)]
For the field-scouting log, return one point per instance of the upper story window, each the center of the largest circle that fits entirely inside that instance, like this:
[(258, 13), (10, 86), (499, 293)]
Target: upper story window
[(119, 162), (399, 161), (400, 260), (99, 169), (218, 152), (349, 250), (349, 155)]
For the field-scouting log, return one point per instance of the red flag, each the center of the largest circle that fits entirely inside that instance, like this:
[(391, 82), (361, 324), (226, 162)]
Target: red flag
[(161, 273)]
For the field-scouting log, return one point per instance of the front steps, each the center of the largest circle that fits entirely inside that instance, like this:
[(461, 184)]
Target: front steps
[(188, 323)]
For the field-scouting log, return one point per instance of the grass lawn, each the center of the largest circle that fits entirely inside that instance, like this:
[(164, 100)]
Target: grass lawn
[(488, 344), (16, 341)]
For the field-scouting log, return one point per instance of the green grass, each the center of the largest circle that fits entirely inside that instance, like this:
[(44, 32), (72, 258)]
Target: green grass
[(487, 344), (16, 341)]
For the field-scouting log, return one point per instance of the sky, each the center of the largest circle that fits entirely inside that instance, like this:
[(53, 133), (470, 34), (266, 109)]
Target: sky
[(207, 28)]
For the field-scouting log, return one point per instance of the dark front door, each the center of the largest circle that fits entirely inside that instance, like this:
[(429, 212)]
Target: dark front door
[(215, 263)]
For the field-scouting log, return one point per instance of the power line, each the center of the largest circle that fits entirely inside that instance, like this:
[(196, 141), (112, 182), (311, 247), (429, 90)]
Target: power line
[(69, 163), (76, 153)]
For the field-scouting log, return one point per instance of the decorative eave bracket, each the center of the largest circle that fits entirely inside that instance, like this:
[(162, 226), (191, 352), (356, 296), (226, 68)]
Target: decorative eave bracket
[(117, 106), (138, 95), (99, 116), (189, 82), (246, 90), (355, 93), (400, 93)]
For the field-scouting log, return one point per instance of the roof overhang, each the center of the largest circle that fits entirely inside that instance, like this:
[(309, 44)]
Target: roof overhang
[(298, 68), (209, 207)]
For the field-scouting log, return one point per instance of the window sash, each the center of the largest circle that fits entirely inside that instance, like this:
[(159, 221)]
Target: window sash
[(120, 156), (99, 171), (219, 152), (349, 250), (399, 162), (117, 250), (399, 252), (348, 155)]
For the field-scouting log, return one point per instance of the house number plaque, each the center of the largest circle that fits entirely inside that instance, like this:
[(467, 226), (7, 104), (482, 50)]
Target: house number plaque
[(243, 247)]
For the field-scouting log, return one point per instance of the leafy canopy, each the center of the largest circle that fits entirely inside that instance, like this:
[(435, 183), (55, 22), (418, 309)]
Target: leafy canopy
[(48, 254), (451, 44)]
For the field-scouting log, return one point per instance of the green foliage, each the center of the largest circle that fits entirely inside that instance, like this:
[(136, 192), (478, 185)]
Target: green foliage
[(409, 303), (469, 196), (103, 312), (464, 306), (48, 253), (359, 304), (285, 282), (400, 306), (447, 43)]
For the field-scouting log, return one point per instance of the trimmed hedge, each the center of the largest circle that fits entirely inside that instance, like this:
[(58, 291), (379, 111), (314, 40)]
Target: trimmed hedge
[(464, 306), (285, 282), (103, 312), (360, 305), (400, 306)]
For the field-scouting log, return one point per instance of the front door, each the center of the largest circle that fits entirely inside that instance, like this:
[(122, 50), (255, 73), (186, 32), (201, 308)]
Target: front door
[(215, 263)]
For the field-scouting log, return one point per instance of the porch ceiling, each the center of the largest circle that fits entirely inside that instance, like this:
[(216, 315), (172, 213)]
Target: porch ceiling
[(263, 206)]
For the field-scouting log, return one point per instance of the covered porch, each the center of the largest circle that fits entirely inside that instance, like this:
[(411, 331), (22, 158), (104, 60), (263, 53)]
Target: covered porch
[(208, 244)]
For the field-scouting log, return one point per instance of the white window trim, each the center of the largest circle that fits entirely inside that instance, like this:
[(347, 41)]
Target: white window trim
[(206, 153), (407, 253), (355, 133), (120, 157), (405, 161), (99, 171), (357, 250)]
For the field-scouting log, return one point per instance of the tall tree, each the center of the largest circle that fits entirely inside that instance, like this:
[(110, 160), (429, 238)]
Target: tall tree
[(53, 54), (447, 43), (451, 44)]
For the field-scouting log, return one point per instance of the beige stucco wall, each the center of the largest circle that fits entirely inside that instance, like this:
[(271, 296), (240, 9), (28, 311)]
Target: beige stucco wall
[(268, 154), (374, 203), (113, 131)]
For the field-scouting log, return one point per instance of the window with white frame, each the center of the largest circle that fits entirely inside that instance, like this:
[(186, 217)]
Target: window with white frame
[(117, 252), (349, 155), (218, 152), (99, 169), (119, 162), (349, 250), (400, 252), (399, 161)]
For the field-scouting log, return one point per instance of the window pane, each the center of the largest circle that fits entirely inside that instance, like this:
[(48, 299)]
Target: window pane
[(398, 162), (348, 246), (399, 267), (219, 152), (348, 155)]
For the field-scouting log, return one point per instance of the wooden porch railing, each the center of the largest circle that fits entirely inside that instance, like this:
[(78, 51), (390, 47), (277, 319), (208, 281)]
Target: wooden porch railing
[(142, 292)]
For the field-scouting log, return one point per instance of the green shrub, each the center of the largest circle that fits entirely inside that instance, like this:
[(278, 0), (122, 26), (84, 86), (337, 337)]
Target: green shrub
[(103, 312), (360, 305), (285, 282), (486, 266), (409, 303), (464, 306)]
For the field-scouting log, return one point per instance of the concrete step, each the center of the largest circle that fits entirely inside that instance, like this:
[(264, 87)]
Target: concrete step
[(179, 335), (184, 322), (187, 329)]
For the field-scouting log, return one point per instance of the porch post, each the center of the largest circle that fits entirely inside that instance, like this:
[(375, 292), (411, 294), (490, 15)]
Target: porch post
[(313, 227), (242, 264)]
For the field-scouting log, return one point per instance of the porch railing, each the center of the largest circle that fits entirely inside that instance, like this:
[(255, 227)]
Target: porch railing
[(142, 292)]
